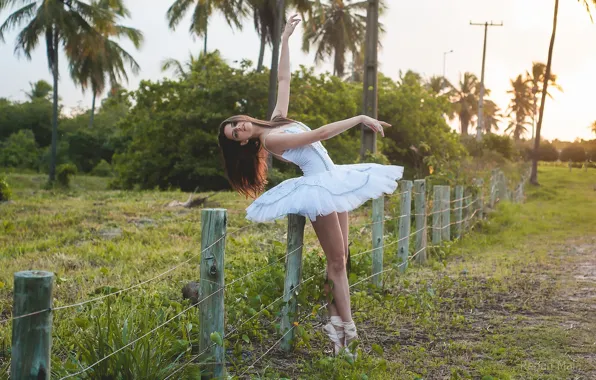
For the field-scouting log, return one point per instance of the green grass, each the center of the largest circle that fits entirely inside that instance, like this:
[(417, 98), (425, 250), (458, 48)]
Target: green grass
[(497, 305)]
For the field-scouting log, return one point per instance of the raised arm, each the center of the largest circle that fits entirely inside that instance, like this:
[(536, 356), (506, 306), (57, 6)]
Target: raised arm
[(283, 73), (279, 142)]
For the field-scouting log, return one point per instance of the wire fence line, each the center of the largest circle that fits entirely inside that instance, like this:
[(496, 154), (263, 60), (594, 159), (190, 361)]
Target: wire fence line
[(99, 298), (235, 329)]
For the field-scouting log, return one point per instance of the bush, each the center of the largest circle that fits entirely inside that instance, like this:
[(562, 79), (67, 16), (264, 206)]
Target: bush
[(501, 144), (5, 192), (64, 173), (102, 169), (574, 152), (547, 152), (19, 151)]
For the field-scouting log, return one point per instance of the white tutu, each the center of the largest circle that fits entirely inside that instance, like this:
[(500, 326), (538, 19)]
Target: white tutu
[(344, 188)]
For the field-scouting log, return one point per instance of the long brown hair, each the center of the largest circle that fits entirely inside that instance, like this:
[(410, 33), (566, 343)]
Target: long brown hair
[(246, 165)]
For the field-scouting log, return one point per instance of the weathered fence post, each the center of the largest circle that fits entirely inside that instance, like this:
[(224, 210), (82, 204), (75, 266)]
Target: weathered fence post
[(211, 319), (420, 204), (32, 335), (493, 189), (458, 206), (446, 214), (437, 203), (378, 230), (479, 199), (293, 278), (403, 246), (502, 187)]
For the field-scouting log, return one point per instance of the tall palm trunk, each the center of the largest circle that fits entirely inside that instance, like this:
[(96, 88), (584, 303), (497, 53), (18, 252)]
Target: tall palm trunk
[(206, 28), (279, 12), (465, 122), (55, 47), (262, 51), (534, 175), (92, 110)]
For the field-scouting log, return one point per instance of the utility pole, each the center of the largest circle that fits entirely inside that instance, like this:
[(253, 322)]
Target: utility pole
[(480, 126), (369, 138), (445, 59)]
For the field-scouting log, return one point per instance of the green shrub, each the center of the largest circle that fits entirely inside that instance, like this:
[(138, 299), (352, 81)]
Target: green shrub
[(64, 173), (574, 152), (20, 151), (5, 192), (102, 169)]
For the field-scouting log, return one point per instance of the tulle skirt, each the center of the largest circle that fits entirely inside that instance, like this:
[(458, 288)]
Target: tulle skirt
[(342, 189)]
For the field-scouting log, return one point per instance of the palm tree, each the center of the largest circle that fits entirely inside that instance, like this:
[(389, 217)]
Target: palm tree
[(438, 85), (97, 58), (520, 107), (536, 81), (58, 22), (181, 70), (465, 100), (263, 12), (492, 116), (232, 10), (593, 127), (336, 28), (39, 90), (547, 74)]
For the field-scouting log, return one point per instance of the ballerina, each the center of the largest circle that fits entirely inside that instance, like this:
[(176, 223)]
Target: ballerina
[(325, 193)]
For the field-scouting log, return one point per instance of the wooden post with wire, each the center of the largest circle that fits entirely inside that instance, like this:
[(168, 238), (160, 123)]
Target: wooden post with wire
[(377, 239), (437, 201), (403, 246), (469, 203), (420, 207), (493, 189), (458, 210), (211, 308), (479, 199), (293, 278), (32, 335), (446, 214)]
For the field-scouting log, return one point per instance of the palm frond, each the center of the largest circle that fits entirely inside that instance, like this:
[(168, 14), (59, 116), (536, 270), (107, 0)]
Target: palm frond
[(177, 11), (17, 18)]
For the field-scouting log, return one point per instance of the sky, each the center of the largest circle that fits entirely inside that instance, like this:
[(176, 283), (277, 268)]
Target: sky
[(417, 35)]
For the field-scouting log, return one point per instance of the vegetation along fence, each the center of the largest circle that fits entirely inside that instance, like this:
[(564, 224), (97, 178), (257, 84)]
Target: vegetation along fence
[(443, 214)]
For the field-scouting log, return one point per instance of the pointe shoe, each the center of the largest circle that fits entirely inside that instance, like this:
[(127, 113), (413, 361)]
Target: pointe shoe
[(351, 335), (335, 332)]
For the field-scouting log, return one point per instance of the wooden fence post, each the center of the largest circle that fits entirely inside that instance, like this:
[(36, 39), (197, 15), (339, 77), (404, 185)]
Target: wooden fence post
[(420, 204), (458, 205), (32, 335), (403, 246), (293, 278), (479, 199), (502, 187), (378, 230), (211, 309), (437, 202), (493, 189), (446, 214)]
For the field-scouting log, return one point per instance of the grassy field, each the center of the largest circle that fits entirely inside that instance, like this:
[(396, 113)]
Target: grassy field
[(515, 299)]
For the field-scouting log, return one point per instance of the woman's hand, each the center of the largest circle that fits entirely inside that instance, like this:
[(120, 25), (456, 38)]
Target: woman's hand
[(375, 125), (290, 26)]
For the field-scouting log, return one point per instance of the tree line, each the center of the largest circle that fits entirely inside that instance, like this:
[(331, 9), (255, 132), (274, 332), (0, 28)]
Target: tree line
[(88, 32)]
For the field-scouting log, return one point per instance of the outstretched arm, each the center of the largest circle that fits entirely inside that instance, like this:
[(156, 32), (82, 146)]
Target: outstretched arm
[(283, 73), (279, 142)]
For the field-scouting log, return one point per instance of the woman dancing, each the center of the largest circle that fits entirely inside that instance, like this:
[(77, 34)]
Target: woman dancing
[(325, 193)]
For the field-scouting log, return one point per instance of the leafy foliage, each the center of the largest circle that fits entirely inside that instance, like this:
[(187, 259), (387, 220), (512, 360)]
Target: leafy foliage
[(574, 152), (20, 151), (64, 174), (5, 191)]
